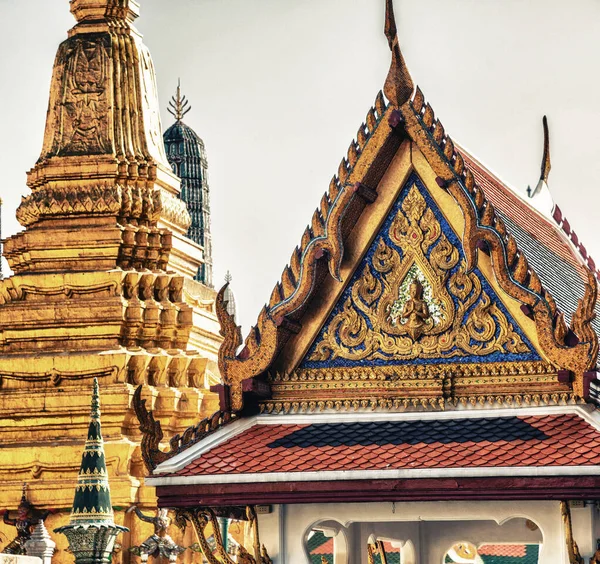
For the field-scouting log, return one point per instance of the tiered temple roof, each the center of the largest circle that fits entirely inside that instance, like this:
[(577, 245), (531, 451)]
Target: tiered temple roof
[(422, 285)]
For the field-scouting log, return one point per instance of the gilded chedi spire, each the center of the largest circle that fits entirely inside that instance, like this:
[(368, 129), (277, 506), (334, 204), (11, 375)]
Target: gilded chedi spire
[(103, 160), (99, 10), (398, 86), (103, 106)]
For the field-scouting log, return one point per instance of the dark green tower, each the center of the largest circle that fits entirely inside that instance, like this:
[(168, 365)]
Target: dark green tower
[(187, 157)]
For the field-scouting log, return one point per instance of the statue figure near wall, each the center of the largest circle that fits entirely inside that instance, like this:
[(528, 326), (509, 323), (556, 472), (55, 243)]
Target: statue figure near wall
[(26, 519), (160, 544)]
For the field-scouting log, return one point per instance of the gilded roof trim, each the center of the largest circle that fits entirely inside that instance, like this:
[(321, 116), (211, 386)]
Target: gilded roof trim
[(512, 271)]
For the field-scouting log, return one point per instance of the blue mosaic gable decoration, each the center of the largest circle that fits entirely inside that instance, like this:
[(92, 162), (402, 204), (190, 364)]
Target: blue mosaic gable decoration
[(411, 301)]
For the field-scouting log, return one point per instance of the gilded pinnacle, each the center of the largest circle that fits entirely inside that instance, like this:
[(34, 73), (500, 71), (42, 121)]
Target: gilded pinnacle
[(99, 10), (398, 86), (179, 105)]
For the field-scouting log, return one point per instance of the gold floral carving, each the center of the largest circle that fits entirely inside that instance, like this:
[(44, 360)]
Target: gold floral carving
[(11, 292), (511, 268), (132, 205), (56, 377), (67, 201), (417, 386), (365, 328), (83, 117)]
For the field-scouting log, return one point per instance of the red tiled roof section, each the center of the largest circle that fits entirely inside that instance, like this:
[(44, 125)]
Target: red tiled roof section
[(509, 550), (525, 441), (504, 199), (389, 549), (325, 548)]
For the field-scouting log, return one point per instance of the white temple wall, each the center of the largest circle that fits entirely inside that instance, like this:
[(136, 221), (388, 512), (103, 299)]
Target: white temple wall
[(584, 521), (401, 531), (284, 530), (438, 537)]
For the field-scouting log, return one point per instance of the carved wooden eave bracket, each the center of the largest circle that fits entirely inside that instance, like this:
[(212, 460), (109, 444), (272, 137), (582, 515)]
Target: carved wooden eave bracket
[(202, 517), (484, 228), (152, 434)]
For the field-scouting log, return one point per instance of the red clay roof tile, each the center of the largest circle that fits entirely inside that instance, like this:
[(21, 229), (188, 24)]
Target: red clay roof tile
[(526, 441)]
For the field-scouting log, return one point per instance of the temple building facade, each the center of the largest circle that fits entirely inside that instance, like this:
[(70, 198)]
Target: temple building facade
[(421, 386), (102, 287)]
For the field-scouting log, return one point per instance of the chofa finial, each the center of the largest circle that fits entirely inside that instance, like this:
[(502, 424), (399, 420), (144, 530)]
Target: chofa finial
[(179, 105), (398, 86), (546, 166)]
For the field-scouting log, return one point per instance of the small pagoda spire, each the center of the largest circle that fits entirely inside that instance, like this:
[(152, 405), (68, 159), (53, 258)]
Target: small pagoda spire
[(399, 85), (92, 495), (229, 297), (546, 166), (91, 530), (179, 105)]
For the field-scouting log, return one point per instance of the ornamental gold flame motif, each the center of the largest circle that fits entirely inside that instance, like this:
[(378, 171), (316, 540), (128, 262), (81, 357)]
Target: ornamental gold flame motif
[(411, 302)]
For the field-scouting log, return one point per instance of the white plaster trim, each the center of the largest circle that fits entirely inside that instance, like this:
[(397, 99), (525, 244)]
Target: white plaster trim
[(181, 460), (586, 411), (398, 474), (190, 454)]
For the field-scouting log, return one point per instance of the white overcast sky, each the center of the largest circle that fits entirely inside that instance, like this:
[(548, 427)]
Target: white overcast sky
[(279, 88)]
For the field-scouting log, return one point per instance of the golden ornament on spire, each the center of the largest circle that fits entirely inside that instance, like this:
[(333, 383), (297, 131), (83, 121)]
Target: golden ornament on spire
[(179, 105), (398, 86)]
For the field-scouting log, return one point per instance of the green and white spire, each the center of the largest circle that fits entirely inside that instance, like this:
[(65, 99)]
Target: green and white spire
[(91, 530), (92, 494)]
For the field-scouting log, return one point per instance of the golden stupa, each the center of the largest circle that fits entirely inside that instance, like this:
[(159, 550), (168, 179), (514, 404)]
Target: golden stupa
[(102, 285)]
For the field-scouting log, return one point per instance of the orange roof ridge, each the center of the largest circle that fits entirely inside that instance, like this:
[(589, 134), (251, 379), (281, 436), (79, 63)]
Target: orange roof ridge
[(495, 188), (558, 222)]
